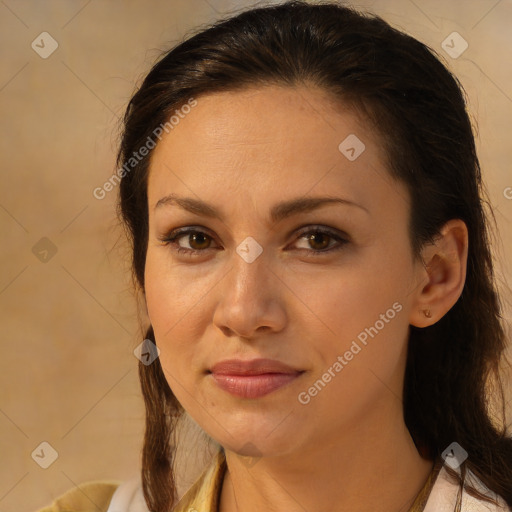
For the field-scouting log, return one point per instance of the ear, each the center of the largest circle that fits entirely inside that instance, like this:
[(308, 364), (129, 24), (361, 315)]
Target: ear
[(441, 275)]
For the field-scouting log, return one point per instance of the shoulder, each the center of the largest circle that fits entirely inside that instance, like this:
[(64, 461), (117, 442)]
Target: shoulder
[(443, 497), (82, 497)]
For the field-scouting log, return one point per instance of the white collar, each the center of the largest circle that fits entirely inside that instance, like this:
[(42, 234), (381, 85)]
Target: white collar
[(443, 496), (128, 497)]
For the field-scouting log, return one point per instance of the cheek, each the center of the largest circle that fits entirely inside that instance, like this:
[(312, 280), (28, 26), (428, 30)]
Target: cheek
[(352, 299), (173, 295), (173, 314), (364, 320), (362, 357), (364, 315)]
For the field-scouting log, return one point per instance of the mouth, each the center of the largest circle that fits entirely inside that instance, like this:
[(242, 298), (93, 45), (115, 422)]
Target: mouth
[(254, 378)]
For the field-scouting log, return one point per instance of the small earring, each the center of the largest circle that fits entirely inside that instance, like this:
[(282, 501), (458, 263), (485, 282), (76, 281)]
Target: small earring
[(427, 313)]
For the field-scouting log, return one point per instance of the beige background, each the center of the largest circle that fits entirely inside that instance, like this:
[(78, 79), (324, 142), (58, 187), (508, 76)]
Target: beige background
[(67, 371)]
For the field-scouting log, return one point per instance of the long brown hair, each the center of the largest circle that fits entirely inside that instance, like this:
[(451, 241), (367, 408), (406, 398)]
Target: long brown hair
[(418, 107)]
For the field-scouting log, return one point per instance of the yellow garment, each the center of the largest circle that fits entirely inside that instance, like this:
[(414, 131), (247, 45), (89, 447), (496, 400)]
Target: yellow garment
[(87, 497)]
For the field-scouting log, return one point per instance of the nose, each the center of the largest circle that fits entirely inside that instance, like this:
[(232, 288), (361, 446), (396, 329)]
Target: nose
[(250, 300)]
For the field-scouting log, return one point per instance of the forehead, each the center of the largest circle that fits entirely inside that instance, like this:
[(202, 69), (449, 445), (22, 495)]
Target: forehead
[(264, 117), (285, 136)]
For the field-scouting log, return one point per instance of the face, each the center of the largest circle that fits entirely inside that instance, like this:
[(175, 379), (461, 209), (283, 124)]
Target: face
[(327, 290)]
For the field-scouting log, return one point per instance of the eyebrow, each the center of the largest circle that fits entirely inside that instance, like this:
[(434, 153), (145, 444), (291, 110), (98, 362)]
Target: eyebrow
[(278, 212)]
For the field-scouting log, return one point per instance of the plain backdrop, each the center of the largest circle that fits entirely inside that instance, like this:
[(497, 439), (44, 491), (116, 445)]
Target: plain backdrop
[(68, 375)]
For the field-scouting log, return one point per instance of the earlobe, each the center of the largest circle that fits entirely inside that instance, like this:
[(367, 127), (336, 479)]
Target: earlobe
[(443, 274)]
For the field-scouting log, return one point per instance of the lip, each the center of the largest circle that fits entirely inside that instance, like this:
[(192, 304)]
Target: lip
[(251, 367), (254, 378)]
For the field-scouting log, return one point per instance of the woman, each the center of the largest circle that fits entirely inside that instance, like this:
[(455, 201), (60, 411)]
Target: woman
[(302, 191)]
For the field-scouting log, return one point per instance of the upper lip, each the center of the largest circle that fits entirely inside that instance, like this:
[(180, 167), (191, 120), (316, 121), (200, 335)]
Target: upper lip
[(251, 367)]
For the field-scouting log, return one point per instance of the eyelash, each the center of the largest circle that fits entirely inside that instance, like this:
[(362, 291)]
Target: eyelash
[(176, 234)]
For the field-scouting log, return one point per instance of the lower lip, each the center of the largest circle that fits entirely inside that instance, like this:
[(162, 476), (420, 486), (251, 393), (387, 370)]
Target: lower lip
[(253, 386)]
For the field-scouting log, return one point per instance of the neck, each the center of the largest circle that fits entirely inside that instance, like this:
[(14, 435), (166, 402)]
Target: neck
[(374, 466)]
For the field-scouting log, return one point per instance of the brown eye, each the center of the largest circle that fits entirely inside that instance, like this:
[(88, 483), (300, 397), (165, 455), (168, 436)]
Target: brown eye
[(199, 241), (319, 241)]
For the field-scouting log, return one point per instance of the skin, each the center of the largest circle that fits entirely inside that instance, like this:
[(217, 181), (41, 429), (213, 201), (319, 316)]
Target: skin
[(244, 152)]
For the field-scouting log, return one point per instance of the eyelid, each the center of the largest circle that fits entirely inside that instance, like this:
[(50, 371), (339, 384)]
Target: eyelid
[(174, 234)]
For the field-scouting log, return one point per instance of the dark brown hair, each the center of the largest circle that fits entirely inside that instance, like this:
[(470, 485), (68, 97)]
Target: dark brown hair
[(418, 107)]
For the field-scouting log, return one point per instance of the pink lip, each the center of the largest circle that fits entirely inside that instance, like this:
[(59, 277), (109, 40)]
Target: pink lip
[(254, 378)]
